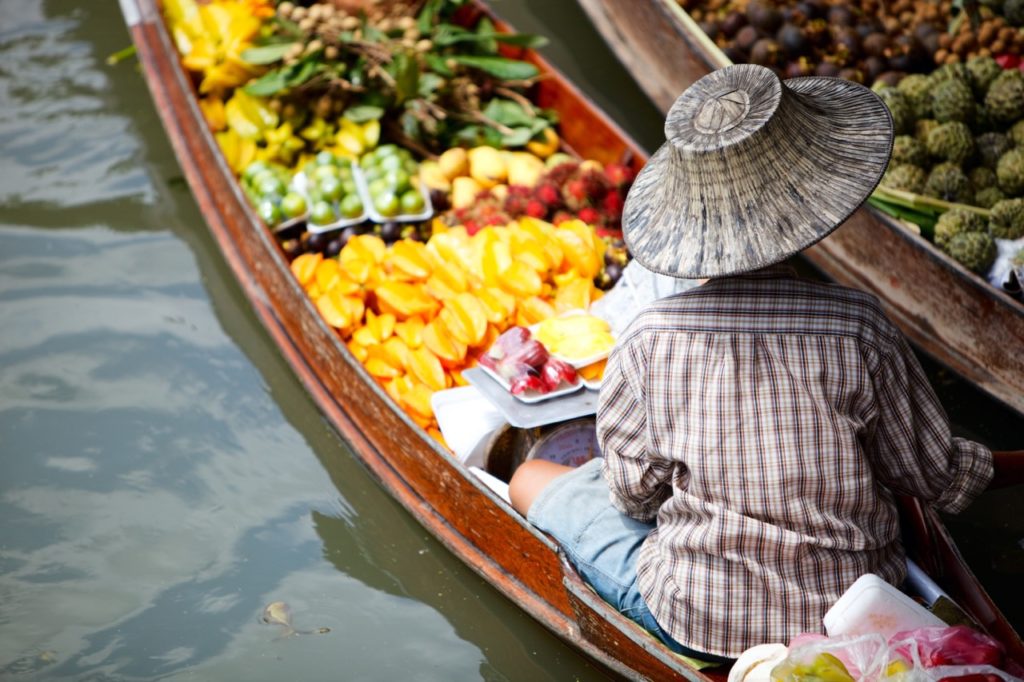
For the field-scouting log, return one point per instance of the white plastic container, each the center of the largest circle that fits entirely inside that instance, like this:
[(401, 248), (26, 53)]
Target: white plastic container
[(872, 605)]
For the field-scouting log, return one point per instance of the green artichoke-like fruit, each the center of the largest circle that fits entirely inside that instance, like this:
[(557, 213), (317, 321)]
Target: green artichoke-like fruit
[(957, 71), (983, 71), (957, 221), (981, 178), (976, 251), (905, 176), (951, 141), (988, 197), (989, 147), (923, 127), (1005, 98), (906, 149), (948, 182), (918, 91), (1006, 221), (899, 107), (1010, 172), (1016, 133), (952, 100)]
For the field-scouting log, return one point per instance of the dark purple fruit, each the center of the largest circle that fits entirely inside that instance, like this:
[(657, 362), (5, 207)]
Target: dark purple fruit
[(817, 34), (891, 78), (735, 54), (766, 52), (855, 75), (710, 28), (827, 69), (874, 67), (391, 231), (347, 234), (333, 248), (841, 16), (848, 45), (792, 41), (798, 69), (875, 44), (317, 241), (746, 37), (292, 248), (439, 198), (614, 272), (764, 15), (732, 23)]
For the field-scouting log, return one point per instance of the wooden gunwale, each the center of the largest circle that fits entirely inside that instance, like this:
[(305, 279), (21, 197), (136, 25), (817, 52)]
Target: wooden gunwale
[(440, 493), (949, 312)]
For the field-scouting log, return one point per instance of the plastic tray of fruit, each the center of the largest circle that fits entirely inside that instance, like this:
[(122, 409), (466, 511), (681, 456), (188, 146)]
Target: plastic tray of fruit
[(530, 395), (524, 367), (576, 337), (272, 192), (390, 188), (529, 415), (330, 186)]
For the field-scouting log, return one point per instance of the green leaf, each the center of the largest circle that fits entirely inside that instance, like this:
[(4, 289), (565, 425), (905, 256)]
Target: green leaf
[(269, 83), (521, 39), (267, 54), (429, 84), (406, 73), (486, 44), (303, 71), (499, 67), (519, 137), (450, 37), (362, 113), (507, 113), (425, 21), (437, 65)]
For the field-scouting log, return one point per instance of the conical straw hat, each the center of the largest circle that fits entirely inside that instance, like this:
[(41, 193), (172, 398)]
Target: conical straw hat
[(754, 171)]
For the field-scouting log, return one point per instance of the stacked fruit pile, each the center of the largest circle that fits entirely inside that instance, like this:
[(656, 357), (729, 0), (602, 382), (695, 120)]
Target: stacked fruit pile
[(865, 40), (960, 139), (416, 314)]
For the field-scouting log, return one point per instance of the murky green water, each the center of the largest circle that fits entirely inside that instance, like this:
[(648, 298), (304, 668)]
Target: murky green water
[(163, 476)]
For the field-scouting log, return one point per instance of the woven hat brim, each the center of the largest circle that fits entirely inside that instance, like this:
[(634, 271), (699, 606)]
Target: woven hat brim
[(727, 214)]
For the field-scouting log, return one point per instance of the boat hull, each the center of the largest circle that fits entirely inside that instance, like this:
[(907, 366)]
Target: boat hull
[(451, 503), (949, 312)]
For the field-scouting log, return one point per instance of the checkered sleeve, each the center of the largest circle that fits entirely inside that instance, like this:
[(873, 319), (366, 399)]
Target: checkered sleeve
[(638, 484), (915, 452)]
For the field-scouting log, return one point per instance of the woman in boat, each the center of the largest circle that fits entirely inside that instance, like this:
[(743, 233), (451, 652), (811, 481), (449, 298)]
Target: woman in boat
[(754, 429)]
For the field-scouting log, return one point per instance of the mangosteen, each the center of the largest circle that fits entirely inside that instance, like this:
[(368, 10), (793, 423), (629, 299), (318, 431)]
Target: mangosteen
[(292, 248), (745, 39), (840, 15), (799, 68), (792, 41), (347, 234), (735, 54), (316, 242), (816, 32), (875, 44), (732, 23), (827, 69), (874, 67), (891, 78), (849, 45), (614, 272), (391, 231), (710, 28), (765, 52), (855, 75), (333, 247), (764, 15), (439, 199)]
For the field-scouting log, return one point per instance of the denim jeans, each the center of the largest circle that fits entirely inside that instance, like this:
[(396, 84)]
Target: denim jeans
[(602, 543)]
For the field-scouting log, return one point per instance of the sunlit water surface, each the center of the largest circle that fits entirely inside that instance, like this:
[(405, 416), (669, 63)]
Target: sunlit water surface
[(163, 476)]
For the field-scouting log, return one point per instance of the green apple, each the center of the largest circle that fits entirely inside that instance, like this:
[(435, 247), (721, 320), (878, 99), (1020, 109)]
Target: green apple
[(351, 206), (412, 201), (386, 204), (322, 213), (293, 205)]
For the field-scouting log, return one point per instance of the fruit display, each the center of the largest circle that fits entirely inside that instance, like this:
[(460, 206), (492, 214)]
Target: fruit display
[(416, 314), (329, 184), (863, 41), (524, 364), (391, 185), (271, 192), (958, 136)]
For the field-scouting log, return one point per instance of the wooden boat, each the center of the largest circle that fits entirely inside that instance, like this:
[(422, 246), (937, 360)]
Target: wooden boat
[(441, 493), (952, 314)]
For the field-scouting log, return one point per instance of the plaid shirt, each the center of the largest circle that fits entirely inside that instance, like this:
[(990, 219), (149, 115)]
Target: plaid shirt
[(766, 422)]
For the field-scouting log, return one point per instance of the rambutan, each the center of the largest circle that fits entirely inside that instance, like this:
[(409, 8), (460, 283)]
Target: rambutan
[(536, 209), (561, 173), (612, 205), (574, 192), (619, 175), (562, 216), (589, 215), (548, 193)]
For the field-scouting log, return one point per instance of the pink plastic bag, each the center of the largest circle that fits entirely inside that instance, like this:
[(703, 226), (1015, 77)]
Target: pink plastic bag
[(955, 645)]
